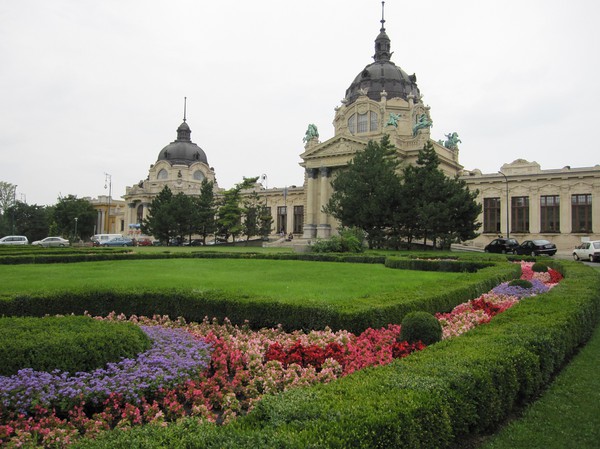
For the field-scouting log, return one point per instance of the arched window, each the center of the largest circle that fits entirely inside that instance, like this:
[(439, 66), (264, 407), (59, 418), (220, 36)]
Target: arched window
[(162, 174), (198, 175), (374, 121), (362, 123), (352, 124), (140, 213)]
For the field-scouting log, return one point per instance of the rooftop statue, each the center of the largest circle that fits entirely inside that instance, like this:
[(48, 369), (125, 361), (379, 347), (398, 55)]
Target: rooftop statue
[(393, 120), (311, 133), (452, 141), (422, 122)]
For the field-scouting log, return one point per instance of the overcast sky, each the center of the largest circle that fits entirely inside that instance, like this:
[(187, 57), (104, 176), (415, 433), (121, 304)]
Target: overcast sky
[(94, 87)]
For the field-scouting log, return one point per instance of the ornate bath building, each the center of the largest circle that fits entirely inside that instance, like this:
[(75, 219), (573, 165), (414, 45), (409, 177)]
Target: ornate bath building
[(522, 199)]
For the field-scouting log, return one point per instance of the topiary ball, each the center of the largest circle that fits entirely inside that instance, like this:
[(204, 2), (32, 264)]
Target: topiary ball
[(523, 283), (420, 326), (539, 267)]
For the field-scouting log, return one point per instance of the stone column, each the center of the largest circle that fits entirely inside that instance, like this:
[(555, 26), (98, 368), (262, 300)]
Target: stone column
[(324, 228), (310, 226), (534, 212)]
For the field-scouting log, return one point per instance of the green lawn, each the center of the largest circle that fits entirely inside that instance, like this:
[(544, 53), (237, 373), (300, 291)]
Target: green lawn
[(316, 282)]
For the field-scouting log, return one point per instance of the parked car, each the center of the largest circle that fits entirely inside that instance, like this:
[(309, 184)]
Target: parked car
[(99, 239), (588, 251), (144, 242), (118, 241), (536, 248), (193, 242), (52, 241), (502, 246), (14, 240)]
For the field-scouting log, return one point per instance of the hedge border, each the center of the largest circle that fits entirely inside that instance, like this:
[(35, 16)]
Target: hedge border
[(452, 390)]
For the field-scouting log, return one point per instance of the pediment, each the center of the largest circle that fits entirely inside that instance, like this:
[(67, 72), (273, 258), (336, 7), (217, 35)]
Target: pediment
[(334, 147)]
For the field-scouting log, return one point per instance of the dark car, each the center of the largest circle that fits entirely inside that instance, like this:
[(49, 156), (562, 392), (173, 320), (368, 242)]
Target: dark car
[(501, 246), (536, 248)]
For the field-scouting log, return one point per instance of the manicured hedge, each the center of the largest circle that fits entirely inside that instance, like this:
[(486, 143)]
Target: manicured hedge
[(454, 266), (436, 398), (260, 312), (71, 343), (66, 256)]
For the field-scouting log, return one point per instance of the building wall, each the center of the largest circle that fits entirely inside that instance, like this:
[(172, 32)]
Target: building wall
[(527, 179)]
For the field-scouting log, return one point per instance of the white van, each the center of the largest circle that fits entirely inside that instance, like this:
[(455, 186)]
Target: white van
[(99, 239), (14, 240)]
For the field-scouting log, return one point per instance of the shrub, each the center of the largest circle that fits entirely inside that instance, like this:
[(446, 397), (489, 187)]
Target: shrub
[(71, 343), (421, 326), (349, 241), (523, 283), (539, 267)]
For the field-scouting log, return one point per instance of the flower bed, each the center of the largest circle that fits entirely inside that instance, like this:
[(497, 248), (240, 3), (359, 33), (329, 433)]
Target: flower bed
[(244, 366)]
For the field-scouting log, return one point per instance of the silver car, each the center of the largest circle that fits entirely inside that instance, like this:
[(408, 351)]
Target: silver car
[(14, 240), (52, 241), (588, 251)]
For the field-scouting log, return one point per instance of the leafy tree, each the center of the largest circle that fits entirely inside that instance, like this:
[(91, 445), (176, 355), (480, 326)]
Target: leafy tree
[(7, 196), (367, 191), (159, 222), (229, 215), (182, 214), (265, 222), (67, 209), (30, 220), (437, 208), (205, 211), (462, 210), (257, 218)]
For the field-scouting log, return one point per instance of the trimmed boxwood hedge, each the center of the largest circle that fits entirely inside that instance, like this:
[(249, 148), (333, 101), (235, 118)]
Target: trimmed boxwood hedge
[(71, 343), (103, 254), (452, 390), (469, 266)]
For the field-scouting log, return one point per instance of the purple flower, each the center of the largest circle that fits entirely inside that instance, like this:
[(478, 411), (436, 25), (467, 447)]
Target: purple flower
[(537, 287), (174, 357)]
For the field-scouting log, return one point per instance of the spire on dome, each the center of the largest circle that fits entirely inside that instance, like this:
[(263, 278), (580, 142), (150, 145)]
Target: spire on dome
[(184, 132), (382, 43)]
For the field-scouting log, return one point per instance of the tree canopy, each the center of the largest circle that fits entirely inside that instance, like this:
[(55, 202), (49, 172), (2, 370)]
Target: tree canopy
[(229, 215), (69, 208), (396, 206), (366, 193)]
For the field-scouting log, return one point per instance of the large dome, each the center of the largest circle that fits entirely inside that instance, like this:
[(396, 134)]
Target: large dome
[(182, 150), (381, 75)]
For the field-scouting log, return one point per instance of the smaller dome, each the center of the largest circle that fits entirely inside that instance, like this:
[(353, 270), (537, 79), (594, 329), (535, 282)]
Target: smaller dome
[(182, 150)]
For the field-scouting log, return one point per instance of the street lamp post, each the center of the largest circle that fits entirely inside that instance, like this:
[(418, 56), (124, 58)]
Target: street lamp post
[(14, 206), (108, 183), (76, 218), (507, 227)]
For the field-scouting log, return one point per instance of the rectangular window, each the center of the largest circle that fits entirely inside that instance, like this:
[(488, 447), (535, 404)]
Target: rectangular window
[(282, 219), (362, 123), (519, 214), (298, 219), (491, 215), (581, 213), (374, 123), (550, 213)]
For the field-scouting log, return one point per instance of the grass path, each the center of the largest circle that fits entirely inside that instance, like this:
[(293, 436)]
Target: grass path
[(567, 415)]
